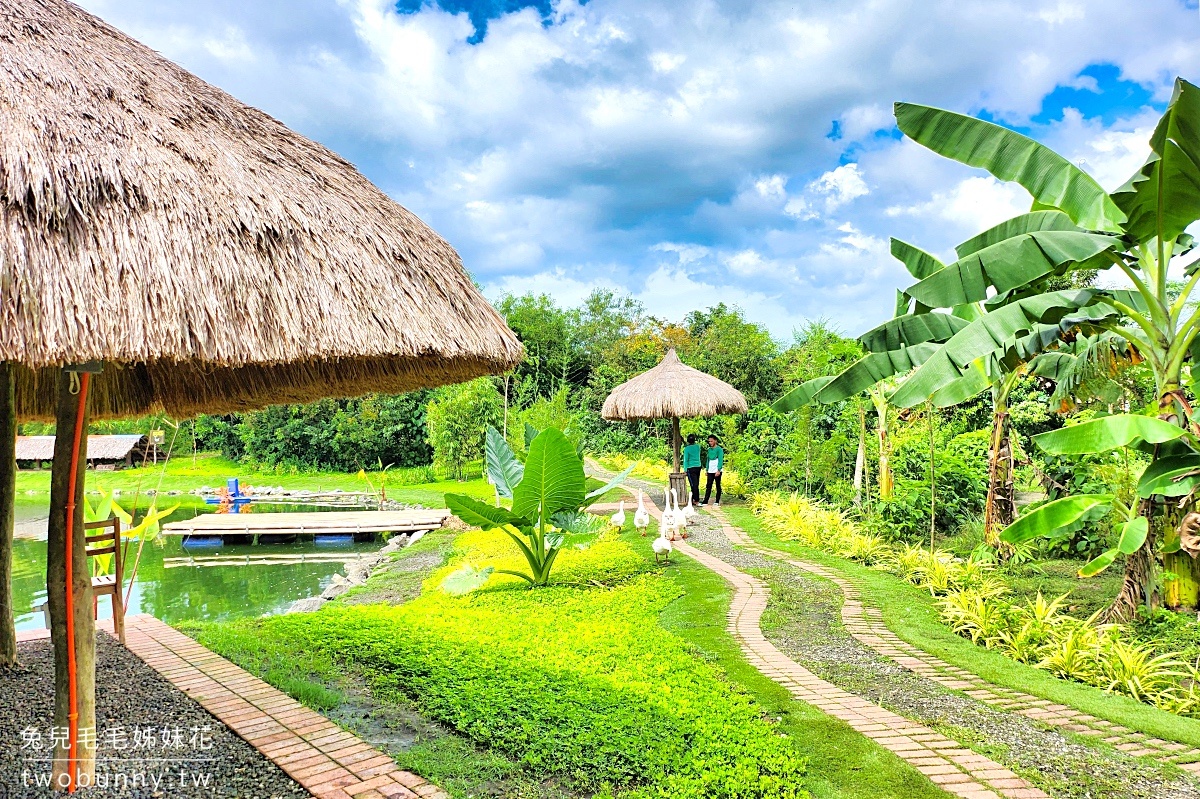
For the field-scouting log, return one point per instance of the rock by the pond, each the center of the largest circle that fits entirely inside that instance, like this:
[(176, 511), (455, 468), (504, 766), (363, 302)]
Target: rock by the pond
[(309, 605)]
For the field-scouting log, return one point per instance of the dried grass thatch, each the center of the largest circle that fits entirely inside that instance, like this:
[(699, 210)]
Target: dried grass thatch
[(672, 389), (211, 257)]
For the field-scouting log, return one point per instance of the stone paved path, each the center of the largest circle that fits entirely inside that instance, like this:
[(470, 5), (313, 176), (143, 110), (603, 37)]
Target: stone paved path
[(327, 761), (866, 625), (957, 769)]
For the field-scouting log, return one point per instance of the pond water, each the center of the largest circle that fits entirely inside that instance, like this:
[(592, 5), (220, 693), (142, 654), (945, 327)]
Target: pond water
[(175, 590)]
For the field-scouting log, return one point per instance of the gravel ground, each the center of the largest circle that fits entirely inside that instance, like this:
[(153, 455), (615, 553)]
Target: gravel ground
[(803, 619), (199, 757)]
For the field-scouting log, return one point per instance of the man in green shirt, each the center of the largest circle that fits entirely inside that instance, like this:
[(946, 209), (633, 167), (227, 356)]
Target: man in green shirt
[(691, 465), (716, 465)]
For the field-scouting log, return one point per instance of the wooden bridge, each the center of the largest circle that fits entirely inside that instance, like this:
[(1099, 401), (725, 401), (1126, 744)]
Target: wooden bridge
[(281, 525)]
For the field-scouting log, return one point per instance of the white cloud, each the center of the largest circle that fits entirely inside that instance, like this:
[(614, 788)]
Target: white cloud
[(971, 206), (598, 133), (839, 186)]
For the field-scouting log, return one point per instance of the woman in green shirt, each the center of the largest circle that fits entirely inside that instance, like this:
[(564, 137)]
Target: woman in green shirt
[(691, 465), (716, 465)]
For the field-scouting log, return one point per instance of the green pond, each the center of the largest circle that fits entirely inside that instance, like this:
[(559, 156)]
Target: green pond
[(171, 583)]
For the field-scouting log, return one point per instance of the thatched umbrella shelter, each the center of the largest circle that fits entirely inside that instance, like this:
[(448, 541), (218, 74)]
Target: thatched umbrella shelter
[(672, 390), (166, 247)]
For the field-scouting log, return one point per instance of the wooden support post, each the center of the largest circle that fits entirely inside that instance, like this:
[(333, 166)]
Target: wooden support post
[(8, 499), (66, 423)]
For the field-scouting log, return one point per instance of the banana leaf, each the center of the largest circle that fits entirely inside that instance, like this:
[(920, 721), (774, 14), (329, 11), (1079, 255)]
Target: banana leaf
[(975, 380), (904, 331), (919, 263), (1067, 513), (1008, 264), (1032, 222), (802, 394), (873, 368), (1107, 433), (1163, 198), (1053, 181), (1175, 476), (989, 336)]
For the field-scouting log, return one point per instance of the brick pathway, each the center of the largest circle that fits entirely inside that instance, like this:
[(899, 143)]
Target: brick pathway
[(326, 760), (955, 768), (866, 625)]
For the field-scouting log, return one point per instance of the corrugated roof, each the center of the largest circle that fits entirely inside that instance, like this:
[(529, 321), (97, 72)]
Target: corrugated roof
[(102, 448)]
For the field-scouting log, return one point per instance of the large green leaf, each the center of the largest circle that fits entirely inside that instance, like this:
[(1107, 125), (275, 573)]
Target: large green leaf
[(503, 467), (1054, 516), (480, 514), (1053, 181), (554, 479), (802, 394), (989, 336), (1133, 535), (1163, 198), (919, 263), (1099, 563), (1107, 433), (904, 331), (1170, 477), (1006, 265), (1025, 223), (466, 579), (873, 368), (975, 380), (613, 483)]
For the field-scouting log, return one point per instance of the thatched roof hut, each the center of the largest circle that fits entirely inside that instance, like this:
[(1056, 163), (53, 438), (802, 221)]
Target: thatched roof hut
[(213, 259), (109, 449), (672, 389)]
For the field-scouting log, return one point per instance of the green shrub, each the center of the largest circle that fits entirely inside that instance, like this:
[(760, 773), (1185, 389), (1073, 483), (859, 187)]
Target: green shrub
[(577, 682)]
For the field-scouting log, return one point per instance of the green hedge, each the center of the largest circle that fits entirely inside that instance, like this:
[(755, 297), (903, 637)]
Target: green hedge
[(576, 682)]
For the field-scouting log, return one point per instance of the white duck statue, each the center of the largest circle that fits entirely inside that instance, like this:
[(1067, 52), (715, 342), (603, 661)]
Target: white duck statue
[(662, 545), (641, 517), (618, 518)]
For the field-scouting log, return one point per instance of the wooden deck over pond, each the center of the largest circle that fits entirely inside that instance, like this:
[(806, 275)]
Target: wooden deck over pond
[(316, 523)]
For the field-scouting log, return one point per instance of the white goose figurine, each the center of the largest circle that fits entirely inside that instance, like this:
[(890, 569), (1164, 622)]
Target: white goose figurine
[(681, 519), (689, 511), (662, 545), (618, 518), (641, 517), (667, 522)]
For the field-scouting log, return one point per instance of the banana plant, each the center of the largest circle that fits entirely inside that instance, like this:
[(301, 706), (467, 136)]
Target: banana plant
[(1136, 230), (920, 332), (549, 499)]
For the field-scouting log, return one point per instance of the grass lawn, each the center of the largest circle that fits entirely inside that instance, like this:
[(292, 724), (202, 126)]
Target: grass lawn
[(183, 473), (839, 761), (910, 612)]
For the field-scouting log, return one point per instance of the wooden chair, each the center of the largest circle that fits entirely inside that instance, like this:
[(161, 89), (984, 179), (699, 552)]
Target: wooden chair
[(112, 584)]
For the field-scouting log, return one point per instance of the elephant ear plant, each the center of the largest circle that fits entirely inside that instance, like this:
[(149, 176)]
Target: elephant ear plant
[(549, 497)]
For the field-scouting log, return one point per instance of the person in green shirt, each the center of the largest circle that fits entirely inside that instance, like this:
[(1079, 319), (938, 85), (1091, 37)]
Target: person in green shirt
[(691, 465), (716, 465)]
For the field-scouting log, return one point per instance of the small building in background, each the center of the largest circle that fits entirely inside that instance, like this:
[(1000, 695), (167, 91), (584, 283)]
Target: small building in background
[(104, 453)]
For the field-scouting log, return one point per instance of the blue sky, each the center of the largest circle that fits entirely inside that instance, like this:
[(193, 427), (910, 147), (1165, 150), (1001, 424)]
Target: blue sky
[(688, 153)]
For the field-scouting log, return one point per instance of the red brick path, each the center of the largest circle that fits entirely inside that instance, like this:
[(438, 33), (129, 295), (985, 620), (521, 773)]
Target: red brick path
[(326, 760), (866, 625)]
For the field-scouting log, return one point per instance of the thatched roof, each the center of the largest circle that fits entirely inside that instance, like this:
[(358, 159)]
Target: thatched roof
[(99, 448), (211, 257), (672, 389)]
